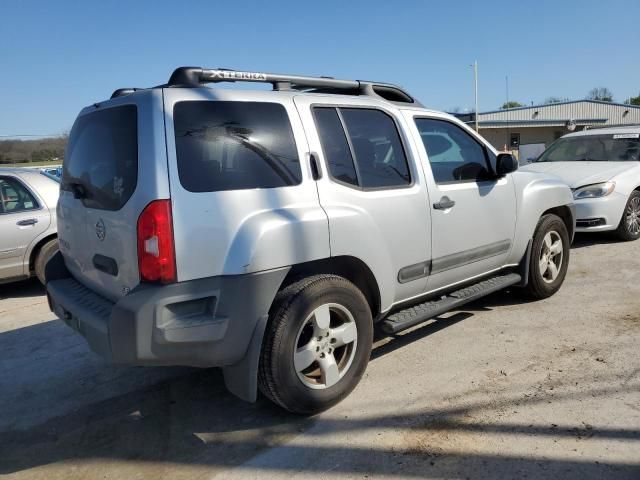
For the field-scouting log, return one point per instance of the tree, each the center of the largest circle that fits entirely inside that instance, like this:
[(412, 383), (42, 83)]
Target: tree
[(511, 104), (633, 100), (600, 93)]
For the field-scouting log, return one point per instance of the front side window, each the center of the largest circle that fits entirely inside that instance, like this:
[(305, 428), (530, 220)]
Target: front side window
[(454, 155), (234, 146), (594, 148), (14, 197), (362, 147)]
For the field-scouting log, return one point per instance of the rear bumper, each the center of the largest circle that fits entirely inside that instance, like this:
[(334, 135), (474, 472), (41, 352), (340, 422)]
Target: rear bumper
[(205, 323)]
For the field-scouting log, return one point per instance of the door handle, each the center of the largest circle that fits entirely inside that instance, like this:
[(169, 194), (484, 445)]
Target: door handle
[(444, 203), (28, 221)]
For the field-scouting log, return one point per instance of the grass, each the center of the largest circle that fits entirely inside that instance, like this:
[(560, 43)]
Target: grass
[(32, 164)]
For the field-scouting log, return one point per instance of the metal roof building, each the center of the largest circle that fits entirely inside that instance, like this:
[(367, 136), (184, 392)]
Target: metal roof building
[(527, 130)]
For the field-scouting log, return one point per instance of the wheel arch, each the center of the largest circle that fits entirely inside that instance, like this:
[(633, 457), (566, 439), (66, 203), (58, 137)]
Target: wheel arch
[(567, 216), (351, 268)]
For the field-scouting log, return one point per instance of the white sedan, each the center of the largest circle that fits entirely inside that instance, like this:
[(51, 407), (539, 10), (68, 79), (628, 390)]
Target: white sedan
[(602, 167)]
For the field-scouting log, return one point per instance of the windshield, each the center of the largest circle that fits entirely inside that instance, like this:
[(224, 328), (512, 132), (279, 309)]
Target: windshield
[(595, 148)]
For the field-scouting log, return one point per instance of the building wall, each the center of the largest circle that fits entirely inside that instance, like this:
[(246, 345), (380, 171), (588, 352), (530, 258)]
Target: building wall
[(615, 114), (499, 137)]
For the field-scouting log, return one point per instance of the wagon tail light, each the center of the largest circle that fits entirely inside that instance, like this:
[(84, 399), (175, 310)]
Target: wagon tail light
[(156, 252)]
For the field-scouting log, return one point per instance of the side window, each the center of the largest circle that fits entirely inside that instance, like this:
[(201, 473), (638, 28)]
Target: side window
[(376, 147), (372, 157), (335, 145), (454, 155), (234, 146), (14, 197)]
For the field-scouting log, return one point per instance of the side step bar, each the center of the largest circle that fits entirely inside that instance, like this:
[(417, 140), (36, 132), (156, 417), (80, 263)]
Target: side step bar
[(422, 312)]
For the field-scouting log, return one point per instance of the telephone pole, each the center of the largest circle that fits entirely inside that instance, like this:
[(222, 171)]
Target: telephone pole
[(475, 82)]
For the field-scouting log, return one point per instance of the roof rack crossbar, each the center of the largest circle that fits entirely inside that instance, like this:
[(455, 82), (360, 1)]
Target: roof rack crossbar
[(196, 76)]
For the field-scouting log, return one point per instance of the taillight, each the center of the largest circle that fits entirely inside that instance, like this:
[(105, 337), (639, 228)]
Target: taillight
[(156, 253)]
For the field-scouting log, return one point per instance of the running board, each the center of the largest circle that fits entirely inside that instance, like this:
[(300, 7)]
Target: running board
[(422, 312)]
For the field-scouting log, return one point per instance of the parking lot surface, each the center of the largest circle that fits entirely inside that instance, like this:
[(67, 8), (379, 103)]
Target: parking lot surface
[(502, 388)]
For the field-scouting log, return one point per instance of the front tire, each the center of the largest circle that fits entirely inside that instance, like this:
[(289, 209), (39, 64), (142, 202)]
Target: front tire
[(629, 227), (549, 257), (317, 344)]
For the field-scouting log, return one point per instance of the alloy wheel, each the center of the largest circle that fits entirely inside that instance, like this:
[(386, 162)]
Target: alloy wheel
[(325, 346), (551, 254)]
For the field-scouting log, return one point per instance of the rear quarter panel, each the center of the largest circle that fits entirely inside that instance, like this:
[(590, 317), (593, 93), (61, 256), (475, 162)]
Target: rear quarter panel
[(243, 231)]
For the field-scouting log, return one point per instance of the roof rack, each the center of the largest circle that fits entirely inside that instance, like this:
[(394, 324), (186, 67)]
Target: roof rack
[(197, 76)]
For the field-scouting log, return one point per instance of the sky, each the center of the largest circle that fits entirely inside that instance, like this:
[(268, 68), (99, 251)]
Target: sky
[(57, 57)]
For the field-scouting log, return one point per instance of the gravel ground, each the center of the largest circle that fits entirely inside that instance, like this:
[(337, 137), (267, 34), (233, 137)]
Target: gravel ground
[(503, 388)]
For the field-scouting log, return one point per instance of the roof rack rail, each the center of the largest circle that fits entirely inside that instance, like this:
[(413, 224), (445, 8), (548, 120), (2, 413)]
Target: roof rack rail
[(197, 76)]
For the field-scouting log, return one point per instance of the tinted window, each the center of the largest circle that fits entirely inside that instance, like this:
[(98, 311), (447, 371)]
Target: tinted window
[(335, 145), (234, 146), (380, 158), (594, 148), (14, 197), (454, 155), (102, 157)]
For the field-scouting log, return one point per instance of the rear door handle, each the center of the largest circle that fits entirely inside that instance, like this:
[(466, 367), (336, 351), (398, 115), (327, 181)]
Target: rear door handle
[(28, 221), (444, 203)]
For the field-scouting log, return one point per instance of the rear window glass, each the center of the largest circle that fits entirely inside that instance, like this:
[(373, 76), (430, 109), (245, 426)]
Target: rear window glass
[(101, 161), (234, 146)]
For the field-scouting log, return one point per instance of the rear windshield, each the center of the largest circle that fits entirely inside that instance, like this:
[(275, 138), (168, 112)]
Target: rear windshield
[(234, 146), (101, 161), (594, 148)]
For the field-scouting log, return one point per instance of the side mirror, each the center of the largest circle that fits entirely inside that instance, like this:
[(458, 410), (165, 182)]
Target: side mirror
[(505, 163)]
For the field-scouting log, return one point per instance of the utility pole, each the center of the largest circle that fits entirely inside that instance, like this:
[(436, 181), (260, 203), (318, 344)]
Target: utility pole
[(475, 81)]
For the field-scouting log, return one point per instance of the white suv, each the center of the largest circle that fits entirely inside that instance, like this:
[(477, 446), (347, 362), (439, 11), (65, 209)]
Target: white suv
[(266, 232)]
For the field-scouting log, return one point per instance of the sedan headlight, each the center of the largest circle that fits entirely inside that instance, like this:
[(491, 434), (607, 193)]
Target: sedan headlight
[(596, 190)]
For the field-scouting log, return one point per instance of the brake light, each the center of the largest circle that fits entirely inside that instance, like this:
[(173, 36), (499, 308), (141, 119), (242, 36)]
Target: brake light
[(156, 252)]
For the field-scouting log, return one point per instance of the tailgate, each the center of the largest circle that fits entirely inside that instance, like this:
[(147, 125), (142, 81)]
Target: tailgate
[(103, 191)]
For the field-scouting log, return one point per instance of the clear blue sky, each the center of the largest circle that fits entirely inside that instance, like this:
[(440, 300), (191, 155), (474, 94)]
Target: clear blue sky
[(57, 57)]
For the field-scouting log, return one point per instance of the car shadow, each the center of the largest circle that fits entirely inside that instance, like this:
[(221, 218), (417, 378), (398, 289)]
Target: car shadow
[(22, 289), (583, 240)]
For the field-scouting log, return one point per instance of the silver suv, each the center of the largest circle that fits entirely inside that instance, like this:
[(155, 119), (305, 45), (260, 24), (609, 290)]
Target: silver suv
[(267, 232)]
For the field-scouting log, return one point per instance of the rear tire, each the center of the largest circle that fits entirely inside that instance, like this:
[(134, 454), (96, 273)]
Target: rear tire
[(629, 227), (317, 344), (46, 252), (549, 257)]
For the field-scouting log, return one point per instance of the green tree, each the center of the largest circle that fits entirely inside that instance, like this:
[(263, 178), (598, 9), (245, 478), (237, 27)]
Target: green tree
[(553, 99), (633, 100), (511, 104), (600, 93)]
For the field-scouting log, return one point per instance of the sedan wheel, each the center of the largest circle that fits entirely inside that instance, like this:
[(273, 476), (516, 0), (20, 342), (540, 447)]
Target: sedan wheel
[(633, 216), (629, 227)]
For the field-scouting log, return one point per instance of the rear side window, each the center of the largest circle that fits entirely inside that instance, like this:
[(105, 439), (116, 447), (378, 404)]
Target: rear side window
[(101, 161), (234, 146), (335, 145), (372, 157), (14, 197)]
